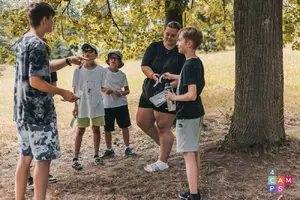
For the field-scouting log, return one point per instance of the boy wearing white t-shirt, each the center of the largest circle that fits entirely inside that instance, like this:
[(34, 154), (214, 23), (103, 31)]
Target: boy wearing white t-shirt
[(88, 83), (115, 102)]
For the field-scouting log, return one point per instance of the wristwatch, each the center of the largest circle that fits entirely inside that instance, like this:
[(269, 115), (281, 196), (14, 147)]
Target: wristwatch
[(68, 61)]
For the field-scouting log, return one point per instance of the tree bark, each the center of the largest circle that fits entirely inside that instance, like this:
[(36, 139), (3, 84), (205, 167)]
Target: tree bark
[(174, 10), (258, 118)]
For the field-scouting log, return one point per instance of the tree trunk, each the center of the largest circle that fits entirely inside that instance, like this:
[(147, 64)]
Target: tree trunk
[(174, 10), (258, 118)]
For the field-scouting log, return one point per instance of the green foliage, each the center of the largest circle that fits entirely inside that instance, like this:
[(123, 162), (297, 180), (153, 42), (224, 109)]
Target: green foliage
[(131, 25), (60, 50), (291, 23), (215, 19)]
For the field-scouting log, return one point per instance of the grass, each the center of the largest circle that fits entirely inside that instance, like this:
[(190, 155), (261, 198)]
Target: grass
[(218, 95)]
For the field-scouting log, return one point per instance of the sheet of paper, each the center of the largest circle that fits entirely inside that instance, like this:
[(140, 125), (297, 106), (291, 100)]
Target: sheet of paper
[(158, 99)]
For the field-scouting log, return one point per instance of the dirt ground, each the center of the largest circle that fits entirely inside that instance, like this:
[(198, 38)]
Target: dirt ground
[(224, 174)]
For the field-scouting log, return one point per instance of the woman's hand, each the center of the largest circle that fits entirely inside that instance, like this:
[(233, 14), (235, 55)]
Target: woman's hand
[(155, 76), (170, 96)]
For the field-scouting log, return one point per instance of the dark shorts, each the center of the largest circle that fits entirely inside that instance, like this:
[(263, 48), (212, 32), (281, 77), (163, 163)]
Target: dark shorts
[(145, 103), (39, 141), (121, 114)]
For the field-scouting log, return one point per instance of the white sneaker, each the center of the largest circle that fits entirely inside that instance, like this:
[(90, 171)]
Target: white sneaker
[(158, 166)]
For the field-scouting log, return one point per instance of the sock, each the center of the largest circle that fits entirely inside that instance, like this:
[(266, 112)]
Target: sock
[(161, 162), (75, 157)]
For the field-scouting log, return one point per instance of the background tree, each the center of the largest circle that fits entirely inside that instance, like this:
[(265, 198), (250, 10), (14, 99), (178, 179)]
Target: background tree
[(258, 118), (174, 10)]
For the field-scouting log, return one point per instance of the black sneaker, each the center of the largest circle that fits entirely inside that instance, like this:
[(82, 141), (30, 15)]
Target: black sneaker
[(30, 185), (184, 195), (76, 165), (129, 152), (194, 197), (108, 154), (98, 160), (51, 179)]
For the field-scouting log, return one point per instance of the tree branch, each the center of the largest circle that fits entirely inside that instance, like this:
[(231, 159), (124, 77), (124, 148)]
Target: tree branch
[(110, 13), (69, 1), (192, 4)]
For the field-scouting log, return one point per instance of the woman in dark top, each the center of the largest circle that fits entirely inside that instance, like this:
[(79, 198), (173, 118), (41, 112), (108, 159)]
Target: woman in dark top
[(159, 58)]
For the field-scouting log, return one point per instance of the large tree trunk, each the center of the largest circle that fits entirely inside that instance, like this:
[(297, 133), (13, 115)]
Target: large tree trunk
[(258, 118), (174, 10)]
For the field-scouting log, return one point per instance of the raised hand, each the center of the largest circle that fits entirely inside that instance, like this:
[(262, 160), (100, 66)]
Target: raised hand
[(78, 60)]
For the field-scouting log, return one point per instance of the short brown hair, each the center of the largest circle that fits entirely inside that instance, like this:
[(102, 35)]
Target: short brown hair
[(193, 34), (37, 11)]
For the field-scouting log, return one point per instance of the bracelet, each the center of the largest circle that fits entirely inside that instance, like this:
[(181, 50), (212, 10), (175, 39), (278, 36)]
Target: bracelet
[(68, 62)]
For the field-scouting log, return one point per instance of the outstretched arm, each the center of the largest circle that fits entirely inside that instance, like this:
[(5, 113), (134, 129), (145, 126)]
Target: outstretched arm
[(149, 73), (58, 64)]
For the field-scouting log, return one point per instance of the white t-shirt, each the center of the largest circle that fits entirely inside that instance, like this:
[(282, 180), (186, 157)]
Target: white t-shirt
[(89, 82), (114, 81)]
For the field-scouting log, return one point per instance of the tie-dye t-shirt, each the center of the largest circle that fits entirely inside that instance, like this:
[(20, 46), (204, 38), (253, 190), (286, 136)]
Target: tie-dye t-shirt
[(32, 106)]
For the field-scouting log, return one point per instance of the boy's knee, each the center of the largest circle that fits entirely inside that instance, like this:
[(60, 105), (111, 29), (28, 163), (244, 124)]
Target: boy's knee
[(43, 163), (189, 154), (80, 131), (96, 129), (25, 161)]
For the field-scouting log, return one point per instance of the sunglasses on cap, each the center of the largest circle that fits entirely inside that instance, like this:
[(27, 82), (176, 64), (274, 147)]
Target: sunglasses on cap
[(88, 51)]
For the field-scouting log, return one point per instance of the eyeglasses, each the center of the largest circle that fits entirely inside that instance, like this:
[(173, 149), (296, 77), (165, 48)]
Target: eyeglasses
[(88, 51), (114, 58)]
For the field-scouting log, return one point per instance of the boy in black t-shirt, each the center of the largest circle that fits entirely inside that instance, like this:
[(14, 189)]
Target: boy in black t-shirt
[(189, 111)]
